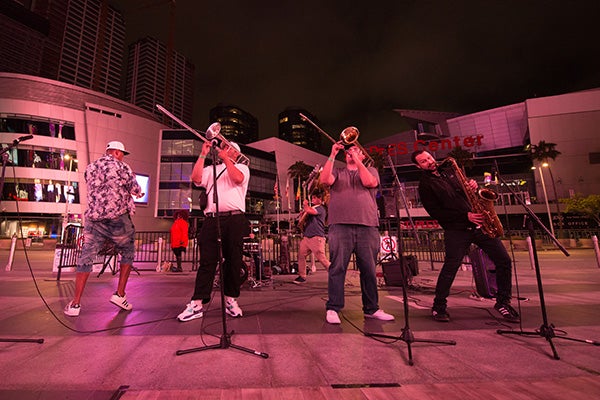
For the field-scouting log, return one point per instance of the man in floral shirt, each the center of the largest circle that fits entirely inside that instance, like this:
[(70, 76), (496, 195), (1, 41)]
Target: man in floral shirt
[(111, 184)]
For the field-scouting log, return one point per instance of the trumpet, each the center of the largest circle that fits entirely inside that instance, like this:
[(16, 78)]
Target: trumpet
[(213, 132), (348, 137)]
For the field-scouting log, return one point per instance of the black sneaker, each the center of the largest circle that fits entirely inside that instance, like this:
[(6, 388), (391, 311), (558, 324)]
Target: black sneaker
[(440, 315), (299, 280), (507, 312)]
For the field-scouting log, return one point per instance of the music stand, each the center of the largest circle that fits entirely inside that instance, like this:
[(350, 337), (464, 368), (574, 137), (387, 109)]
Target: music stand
[(4, 155), (225, 339), (546, 330), (406, 336)]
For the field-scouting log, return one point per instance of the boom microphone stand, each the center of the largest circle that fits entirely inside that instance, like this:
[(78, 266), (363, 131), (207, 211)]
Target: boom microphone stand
[(225, 340), (406, 335), (546, 330), (4, 155)]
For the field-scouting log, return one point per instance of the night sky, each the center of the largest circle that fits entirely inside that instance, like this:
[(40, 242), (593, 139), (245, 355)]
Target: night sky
[(354, 62)]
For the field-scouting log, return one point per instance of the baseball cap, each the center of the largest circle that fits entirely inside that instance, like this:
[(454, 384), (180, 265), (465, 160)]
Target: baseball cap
[(114, 145)]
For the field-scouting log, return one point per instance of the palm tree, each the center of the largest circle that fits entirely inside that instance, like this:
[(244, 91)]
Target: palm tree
[(379, 160), (541, 153), (299, 171), (544, 151), (464, 158)]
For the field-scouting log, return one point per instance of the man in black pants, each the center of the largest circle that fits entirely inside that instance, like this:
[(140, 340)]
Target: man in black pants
[(444, 199)]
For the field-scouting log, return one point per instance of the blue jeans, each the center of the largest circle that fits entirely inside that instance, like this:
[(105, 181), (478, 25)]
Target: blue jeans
[(363, 241), (457, 244), (119, 231)]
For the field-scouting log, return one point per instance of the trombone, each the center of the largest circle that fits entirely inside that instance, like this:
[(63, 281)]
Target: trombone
[(213, 132), (348, 137)]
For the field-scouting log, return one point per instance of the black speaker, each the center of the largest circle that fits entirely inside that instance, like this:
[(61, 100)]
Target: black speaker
[(392, 274), (386, 206)]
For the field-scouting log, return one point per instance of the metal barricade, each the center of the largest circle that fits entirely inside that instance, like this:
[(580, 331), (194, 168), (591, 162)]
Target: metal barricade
[(278, 253)]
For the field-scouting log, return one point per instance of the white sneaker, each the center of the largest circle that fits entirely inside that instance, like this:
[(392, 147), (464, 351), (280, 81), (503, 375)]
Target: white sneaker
[(121, 302), (333, 317), (232, 308), (313, 268), (192, 311), (380, 315), (71, 310)]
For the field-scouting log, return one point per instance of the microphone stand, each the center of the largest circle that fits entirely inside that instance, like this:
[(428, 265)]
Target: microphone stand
[(225, 340), (406, 335), (546, 330), (4, 155)]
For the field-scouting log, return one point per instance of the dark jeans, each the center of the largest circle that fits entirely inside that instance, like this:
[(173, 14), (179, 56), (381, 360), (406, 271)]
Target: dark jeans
[(363, 241), (457, 244), (233, 230)]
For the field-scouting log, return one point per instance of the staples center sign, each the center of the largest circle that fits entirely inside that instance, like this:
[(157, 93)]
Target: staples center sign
[(402, 148)]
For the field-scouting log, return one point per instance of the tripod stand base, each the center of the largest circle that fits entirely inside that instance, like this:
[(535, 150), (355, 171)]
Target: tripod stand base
[(547, 332), (224, 343), (408, 338), (23, 340)]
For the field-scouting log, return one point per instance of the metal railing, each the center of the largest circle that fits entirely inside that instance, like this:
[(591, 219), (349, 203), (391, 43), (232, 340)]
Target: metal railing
[(279, 253)]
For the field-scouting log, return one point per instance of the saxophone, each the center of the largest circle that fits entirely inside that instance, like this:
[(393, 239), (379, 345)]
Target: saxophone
[(481, 201)]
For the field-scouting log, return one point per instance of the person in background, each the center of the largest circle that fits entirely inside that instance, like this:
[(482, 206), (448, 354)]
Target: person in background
[(179, 237), (111, 185), (353, 228), (313, 239), (444, 198), (232, 185)]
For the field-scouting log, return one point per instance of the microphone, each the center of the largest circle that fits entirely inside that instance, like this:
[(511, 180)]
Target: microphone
[(22, 139)]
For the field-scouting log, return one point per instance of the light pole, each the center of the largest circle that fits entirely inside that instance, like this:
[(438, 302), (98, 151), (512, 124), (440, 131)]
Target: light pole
[(546, 199), (558, 215)]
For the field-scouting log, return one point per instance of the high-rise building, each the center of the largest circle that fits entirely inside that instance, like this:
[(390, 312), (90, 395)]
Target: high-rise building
[(147, 83), (294, 129), (237, 125), (23, 35), (78, 42)]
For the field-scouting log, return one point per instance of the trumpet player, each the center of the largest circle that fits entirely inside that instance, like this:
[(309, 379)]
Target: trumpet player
[(353, 228), (444, 199)]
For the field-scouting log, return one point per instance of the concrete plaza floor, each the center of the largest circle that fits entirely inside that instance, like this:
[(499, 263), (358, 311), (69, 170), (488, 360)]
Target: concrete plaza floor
[(108, 354)]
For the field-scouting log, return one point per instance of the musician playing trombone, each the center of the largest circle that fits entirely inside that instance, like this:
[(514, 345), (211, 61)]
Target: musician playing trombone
[(313, 239), (444, 198), (353, 228), (232, 185)]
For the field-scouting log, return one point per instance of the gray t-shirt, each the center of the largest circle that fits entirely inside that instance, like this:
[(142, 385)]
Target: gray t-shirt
[(350, 202)]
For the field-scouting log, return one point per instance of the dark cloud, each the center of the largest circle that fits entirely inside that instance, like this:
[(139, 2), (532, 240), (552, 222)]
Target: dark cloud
[(353, 62)]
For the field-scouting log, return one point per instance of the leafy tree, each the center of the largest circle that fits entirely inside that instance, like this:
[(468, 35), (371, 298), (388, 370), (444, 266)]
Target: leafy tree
[(588, 206)]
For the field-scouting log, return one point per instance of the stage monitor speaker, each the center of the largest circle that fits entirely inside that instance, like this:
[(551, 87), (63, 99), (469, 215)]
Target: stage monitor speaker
[(484, 273), (392, 274), (386, 206)]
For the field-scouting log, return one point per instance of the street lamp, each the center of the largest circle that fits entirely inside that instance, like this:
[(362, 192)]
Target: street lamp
[(559, 216), (546, 199)]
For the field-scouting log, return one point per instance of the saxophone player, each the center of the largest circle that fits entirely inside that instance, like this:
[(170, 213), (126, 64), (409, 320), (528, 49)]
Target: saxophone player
[(444, 198)]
